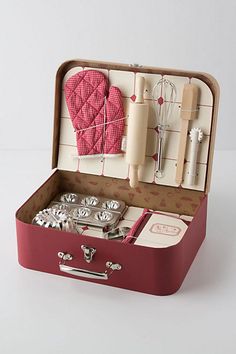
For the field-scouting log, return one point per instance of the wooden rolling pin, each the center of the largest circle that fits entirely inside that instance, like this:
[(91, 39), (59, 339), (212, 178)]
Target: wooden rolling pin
[(137, 133), (188, 112)]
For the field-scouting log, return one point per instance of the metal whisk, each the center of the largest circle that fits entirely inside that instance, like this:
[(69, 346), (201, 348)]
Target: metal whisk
[(163, 95)]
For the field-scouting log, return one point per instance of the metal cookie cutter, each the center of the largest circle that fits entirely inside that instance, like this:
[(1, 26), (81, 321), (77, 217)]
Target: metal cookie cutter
[(117, 233), (85, 273)]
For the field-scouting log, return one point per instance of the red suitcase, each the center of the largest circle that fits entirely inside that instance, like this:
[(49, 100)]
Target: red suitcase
[(158, 271)]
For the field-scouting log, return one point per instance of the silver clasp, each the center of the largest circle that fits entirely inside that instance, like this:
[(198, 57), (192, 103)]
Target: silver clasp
[(135, 65), (88, 253), (65, 256)]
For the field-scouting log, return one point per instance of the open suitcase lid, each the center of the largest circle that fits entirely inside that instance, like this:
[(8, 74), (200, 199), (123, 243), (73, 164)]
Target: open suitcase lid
[(65, 154)]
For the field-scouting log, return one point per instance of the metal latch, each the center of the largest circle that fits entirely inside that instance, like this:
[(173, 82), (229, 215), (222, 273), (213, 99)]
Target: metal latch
[(88, 253), (135, 65), (65, 256)]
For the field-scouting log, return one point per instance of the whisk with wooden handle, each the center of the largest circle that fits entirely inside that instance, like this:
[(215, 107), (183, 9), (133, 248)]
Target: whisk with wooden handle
[(163, 96)]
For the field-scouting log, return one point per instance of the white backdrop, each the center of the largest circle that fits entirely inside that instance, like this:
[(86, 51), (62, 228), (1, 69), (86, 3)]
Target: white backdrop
[(37, 36), (42, 313)]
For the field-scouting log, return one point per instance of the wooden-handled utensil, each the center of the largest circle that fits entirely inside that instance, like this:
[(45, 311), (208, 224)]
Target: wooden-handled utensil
[(163, 99), (188, 112), (137, 132)]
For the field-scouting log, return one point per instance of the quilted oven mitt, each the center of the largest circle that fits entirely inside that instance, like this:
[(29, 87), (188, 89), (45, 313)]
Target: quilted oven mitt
[(91, 104)]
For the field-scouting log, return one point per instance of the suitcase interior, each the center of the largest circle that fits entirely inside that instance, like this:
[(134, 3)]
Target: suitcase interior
[(163, 198)]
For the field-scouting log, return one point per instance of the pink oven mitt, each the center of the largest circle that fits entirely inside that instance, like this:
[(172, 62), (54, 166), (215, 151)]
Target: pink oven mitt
[(96, 112)]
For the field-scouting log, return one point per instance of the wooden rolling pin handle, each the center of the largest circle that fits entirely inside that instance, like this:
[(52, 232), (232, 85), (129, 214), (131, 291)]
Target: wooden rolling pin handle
[(133, 175), (140, 82)]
